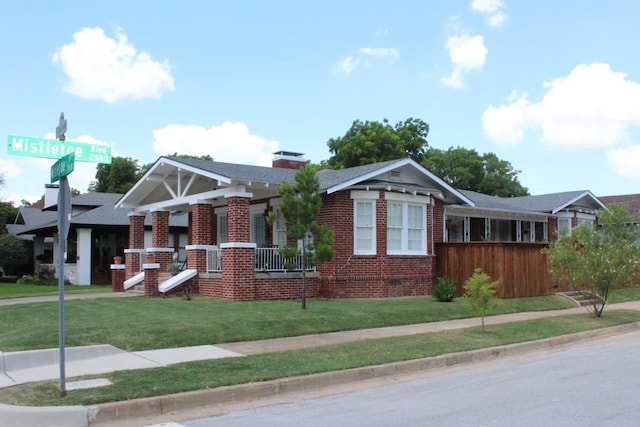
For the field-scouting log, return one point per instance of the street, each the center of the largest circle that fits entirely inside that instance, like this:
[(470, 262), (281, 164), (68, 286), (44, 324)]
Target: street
[(594, 384)]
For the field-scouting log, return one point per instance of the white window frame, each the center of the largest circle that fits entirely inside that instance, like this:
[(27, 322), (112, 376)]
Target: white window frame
[(361, 198), (279, 226), (256, 213), (405, 201), (222, 222), (564, 217)]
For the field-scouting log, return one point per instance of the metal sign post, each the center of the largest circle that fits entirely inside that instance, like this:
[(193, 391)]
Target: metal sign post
[(59, 171)]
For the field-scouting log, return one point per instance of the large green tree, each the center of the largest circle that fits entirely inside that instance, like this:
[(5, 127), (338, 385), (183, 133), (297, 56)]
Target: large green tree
[(116, 177), (465, 169), (597, 261), (370, 142), (300, 207)]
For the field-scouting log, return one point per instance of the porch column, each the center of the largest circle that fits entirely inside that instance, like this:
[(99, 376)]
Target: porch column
[(134, 252), (83, 256), (200, 228), (160, 237), (238, 254)]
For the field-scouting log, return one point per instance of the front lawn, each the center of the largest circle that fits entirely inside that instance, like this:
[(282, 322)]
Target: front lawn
[(15, 290), (140, 323)]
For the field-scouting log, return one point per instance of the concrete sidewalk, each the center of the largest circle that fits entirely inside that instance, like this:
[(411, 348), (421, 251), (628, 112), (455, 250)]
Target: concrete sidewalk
[(39, 365)]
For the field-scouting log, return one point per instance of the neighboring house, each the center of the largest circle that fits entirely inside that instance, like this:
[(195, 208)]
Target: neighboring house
[(41, 247), (631, 201), (387, 219), (97, 233)]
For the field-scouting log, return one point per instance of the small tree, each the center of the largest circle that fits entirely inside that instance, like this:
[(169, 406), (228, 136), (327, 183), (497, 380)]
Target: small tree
[(300, 207), (480, 293), (596, 262)]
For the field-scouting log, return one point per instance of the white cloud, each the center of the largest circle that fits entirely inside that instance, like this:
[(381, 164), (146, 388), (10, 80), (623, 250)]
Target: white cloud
[(625, 161), (228, 142), (346, 66), (467, 53), (591, 107), (380, 52), (492, 11), (350, 63), (110, 69)]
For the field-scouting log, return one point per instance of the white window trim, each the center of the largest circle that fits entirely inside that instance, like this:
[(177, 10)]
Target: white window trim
[(406, 200), (363, 196), (564, 216)]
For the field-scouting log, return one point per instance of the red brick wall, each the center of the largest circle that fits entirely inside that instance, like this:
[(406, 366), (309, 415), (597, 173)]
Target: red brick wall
[(374, 276), (288, 163), (136, 231), (160, 229), (238, 219), (201, 224), (264, 288)]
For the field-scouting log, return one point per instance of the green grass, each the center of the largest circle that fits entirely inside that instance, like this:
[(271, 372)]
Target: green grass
[(624, 295), (14, 290), (148, 323), (223, 372)]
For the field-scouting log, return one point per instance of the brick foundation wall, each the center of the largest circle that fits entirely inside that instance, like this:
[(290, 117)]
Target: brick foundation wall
[(266, 287)]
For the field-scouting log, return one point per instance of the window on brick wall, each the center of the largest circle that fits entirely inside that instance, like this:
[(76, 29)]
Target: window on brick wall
[(406, 224), (222, 228), (364, 222)]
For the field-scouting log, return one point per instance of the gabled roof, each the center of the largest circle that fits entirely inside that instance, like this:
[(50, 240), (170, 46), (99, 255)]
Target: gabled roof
[(175, 182), (553, 203)]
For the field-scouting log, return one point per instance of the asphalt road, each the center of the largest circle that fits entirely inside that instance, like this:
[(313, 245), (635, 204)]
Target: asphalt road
[(595, 384)]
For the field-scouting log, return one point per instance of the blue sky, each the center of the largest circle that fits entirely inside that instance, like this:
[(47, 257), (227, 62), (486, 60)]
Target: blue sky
[(551, 86)]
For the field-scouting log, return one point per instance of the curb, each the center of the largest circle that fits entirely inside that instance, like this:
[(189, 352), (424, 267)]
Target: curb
[(111, 413)]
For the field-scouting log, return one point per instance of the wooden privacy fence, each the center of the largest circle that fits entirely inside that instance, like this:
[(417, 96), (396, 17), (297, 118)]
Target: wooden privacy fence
[(521, 268)]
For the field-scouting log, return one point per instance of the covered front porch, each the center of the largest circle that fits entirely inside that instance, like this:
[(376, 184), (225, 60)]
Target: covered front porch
[(232, 249)]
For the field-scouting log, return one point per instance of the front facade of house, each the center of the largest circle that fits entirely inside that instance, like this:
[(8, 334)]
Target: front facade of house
[(387, 219)]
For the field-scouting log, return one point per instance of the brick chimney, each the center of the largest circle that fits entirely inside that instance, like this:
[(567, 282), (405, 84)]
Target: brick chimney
[(288, 160)]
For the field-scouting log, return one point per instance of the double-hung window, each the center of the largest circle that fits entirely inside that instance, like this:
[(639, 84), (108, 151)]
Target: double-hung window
[(364, 222), (406, 224)]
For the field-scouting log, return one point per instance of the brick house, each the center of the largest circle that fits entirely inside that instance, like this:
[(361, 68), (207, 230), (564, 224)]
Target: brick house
[(387, 218)]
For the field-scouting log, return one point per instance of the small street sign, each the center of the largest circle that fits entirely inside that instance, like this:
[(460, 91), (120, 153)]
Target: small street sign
[(54, 149), (62, 167)]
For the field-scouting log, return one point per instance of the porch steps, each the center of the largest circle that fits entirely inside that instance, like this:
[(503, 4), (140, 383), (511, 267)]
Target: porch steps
[(581, 298)]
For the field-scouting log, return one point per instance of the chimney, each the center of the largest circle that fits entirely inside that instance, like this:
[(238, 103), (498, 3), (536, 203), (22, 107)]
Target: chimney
[(50, 195), (288, 160)]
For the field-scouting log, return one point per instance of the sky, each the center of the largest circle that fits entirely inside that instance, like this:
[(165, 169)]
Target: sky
[(553, 87)]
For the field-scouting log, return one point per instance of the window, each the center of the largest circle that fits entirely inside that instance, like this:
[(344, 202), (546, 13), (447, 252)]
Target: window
[(364, 222), (564, 226), (258, 224), (222, 228), (406, 224)]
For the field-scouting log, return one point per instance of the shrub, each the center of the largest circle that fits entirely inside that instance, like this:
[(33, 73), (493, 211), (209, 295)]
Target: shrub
[(445, 289)]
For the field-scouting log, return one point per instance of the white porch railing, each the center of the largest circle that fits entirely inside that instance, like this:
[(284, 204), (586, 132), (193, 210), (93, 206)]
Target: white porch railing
[(269, 259), (214, 259)]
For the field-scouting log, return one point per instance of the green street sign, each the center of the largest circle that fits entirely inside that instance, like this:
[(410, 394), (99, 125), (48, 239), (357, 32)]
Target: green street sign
[(54, 149), (62, 167)]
